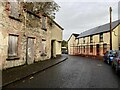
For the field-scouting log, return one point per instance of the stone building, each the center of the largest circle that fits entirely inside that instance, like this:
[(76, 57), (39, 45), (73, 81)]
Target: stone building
[(96, 41), (26, 37)]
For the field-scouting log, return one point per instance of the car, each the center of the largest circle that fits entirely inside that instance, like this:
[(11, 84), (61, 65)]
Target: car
[(108, 56), (116, 62), (64, 52)]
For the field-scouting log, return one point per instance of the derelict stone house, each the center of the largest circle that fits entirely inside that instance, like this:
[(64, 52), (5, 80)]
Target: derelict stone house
[(26, 37)]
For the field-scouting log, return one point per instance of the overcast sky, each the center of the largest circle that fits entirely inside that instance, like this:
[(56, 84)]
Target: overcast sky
[(76, 16)]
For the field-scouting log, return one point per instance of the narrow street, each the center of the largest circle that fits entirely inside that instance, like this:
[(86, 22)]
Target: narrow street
[(75, 72)]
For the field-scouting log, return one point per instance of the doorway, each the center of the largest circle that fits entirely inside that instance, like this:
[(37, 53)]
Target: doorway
[(97, 49), (52, 51), (30, 51)]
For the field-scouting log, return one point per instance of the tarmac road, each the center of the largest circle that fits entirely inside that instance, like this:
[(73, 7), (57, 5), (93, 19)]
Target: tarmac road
[(76, 72)]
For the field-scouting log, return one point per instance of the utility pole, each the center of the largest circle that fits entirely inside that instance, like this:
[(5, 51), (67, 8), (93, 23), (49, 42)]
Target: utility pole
[(110, 28)]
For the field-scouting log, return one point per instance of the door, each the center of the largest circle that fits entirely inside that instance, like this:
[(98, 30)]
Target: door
[(30, 51), (97, 49), (52, 43)]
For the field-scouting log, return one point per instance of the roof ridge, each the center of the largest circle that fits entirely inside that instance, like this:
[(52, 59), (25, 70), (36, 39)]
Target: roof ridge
[(99, 29)]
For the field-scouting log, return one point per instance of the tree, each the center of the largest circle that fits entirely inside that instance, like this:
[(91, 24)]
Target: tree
[(64, 43), (49, 8)]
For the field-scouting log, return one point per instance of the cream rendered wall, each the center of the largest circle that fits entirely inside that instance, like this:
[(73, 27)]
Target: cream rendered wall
[(80, 43), (96, 39), (87, 41), (56, 33), (58, 48), (68, 47), (106, 37), (71, 43), (115, 42), (106, 40), (76, 42)]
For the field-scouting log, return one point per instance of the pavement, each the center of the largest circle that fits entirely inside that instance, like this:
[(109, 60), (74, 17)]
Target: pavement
[(12, 75)]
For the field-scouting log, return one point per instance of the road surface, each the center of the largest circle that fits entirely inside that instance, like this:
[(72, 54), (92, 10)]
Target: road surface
[(75, 72)]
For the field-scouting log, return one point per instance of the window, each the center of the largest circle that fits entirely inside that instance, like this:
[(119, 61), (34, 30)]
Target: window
[(14, 9), (101, 37), (84, 40), (104, 48), (12, 45), (91, 39), (43, 22), (91, 48)]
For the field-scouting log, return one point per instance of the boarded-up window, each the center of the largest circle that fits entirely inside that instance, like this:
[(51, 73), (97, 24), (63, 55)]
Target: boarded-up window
[(43, 22), (14, 9), (43, 46), (13, 45)]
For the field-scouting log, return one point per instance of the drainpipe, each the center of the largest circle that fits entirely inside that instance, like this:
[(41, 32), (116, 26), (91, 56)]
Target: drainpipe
[(110, 28)]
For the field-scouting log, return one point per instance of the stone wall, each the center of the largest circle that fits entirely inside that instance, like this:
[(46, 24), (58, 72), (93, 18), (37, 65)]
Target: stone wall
[(15, 27)]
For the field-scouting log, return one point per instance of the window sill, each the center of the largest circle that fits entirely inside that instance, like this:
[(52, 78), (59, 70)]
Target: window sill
[(13, 58), (44, 29), (101, 41)]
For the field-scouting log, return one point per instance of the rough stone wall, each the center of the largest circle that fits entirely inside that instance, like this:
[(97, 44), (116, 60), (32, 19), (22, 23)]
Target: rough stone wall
[(11, 26)]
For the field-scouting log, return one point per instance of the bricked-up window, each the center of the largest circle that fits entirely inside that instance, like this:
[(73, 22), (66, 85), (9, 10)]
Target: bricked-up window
[(91, 39), (101, 37), (43, 22), (91, 48), (43, 46), (12, 45)]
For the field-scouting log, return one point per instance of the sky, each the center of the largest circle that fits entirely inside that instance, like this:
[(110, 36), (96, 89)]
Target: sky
[(77, 16)]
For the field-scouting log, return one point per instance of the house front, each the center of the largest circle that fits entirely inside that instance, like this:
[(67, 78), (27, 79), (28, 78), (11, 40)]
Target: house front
[(56, 40), (96, 41), (25, 36), (72, 44)]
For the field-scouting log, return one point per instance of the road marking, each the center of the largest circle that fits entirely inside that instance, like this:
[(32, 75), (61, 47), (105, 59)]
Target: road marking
[(99, 65)]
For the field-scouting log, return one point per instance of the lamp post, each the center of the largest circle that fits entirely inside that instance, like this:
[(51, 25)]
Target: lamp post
[(110, 28)]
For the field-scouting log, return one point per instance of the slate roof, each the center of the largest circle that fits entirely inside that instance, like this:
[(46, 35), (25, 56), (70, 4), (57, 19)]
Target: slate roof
[(76, 35), (99, 29)]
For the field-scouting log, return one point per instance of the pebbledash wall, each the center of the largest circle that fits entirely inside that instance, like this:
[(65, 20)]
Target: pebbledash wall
[(33, 41)]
